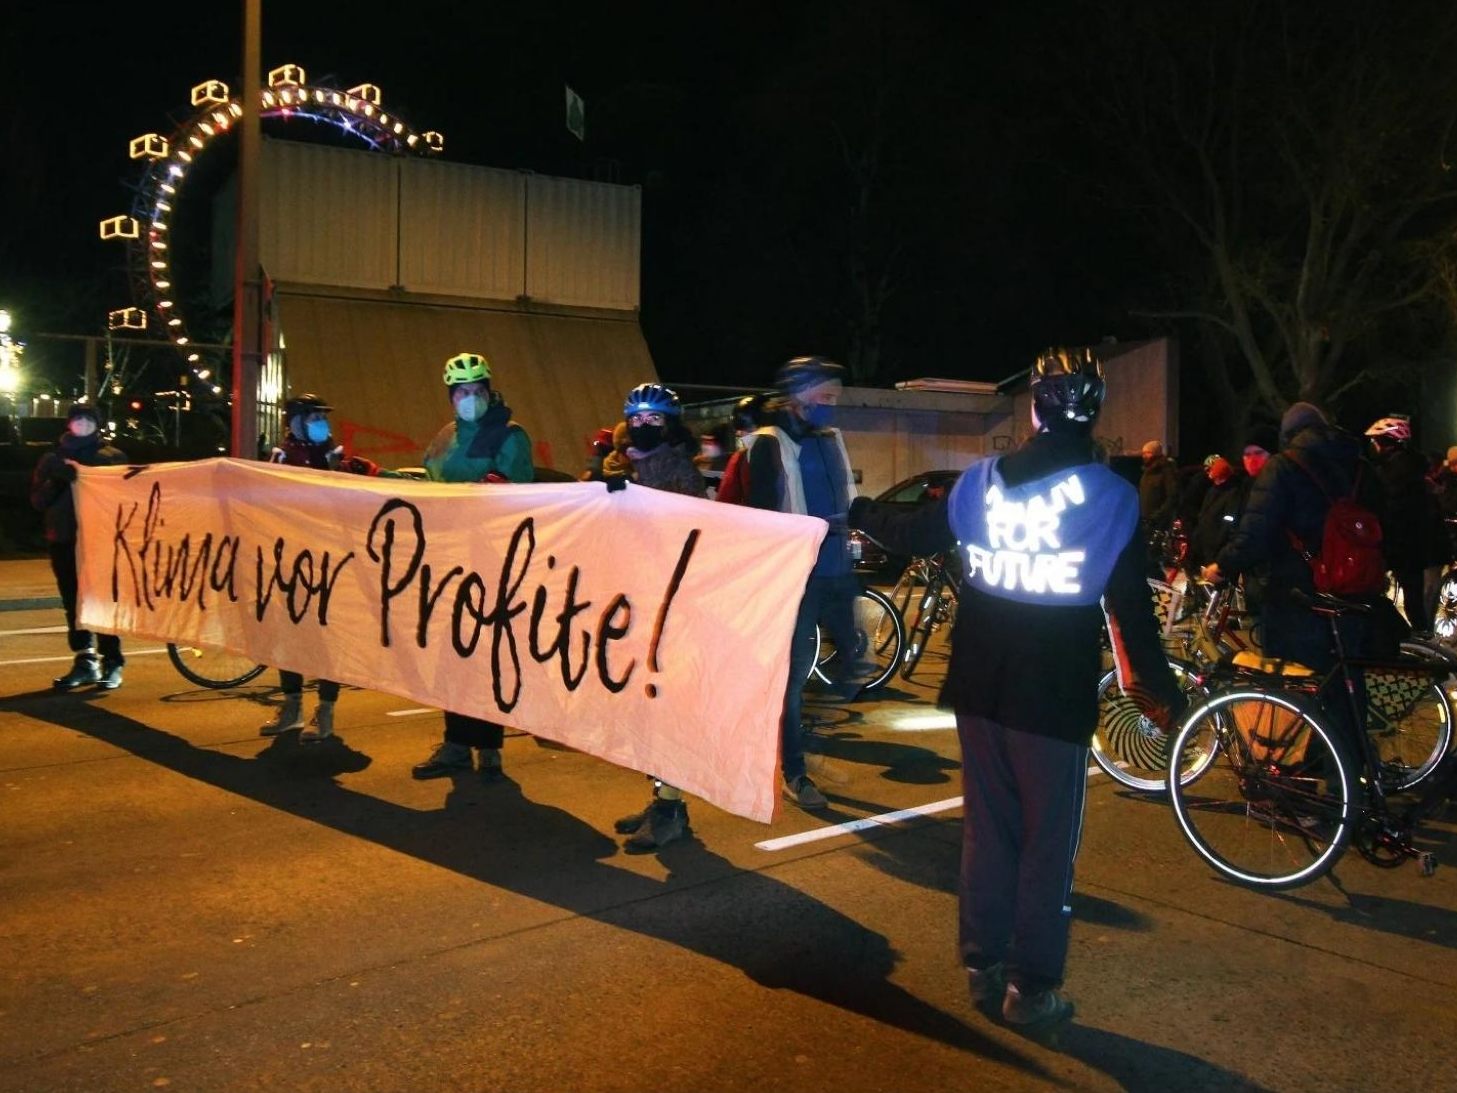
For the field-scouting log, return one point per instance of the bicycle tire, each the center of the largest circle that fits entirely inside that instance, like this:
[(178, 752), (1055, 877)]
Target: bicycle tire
[(1132, 750), (919, 633), (1410, 739), (213, 679), (885, 642), (1277, 807)]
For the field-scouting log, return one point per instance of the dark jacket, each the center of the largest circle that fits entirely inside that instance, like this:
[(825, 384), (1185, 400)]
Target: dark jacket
[(1034, 667), (294, 452), (667, 467), (1218, 515), (1286, 499), (769, 488), (50, 484), (1411, 537), (1158, 493)]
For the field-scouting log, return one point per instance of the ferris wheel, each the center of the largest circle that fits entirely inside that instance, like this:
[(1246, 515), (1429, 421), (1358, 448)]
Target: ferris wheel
[(169, 159)]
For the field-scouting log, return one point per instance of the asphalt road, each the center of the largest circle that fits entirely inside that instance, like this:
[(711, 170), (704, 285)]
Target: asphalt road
[(184, 905)]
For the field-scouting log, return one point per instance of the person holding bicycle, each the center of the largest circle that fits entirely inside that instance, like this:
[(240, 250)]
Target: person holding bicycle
[(480, 444), (798, 463), (1045, 533), (1283, 522)]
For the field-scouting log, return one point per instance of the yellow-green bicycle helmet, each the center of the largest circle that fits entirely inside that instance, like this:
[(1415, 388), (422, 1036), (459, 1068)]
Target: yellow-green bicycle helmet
[(467, 368)]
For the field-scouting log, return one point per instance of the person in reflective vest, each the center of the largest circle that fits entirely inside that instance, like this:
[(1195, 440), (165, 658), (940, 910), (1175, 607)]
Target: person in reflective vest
[(1049, 537)]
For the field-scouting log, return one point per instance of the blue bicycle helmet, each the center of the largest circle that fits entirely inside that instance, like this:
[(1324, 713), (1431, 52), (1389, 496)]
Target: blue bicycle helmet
[(652, 398)]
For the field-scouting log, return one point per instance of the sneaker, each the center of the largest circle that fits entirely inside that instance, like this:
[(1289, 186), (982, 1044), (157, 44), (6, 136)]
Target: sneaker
[(626, 825), (85, 670), (1042, 1011), (666, 822), (290, 716), (987, 986), (110, 675), (490, 765), (805, 793), (449, 758), (321, 725)]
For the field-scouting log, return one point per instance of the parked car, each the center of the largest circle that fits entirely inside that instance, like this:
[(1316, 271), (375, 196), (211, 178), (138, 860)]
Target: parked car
[(873, 560)]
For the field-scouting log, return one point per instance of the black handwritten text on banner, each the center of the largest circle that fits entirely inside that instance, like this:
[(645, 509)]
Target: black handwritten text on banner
[(648, 629)]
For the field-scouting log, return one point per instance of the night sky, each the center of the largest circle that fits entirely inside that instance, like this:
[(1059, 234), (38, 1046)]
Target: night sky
[(733, 118), (796, 160)]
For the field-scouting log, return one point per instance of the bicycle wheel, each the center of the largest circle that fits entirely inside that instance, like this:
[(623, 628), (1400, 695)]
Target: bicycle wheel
[(209, 666), (1276, 806), (880, 637), (918, 634), (1132, 750), (1409, 723), (1444, 623)]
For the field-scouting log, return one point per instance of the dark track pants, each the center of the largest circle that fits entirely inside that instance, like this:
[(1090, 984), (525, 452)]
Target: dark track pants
[(473, 732), (63, 565), (1024, 797), (293, 684)]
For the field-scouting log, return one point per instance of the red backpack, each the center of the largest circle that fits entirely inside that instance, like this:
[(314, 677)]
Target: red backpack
[(1350, 562)]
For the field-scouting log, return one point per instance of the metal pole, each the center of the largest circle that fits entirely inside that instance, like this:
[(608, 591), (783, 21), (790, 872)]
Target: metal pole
[(247, 287), (90, 391)]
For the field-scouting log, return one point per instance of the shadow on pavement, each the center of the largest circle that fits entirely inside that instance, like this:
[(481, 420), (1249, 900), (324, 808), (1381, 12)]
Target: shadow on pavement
[(1398, 917), (1137, 1065), (774, 933)]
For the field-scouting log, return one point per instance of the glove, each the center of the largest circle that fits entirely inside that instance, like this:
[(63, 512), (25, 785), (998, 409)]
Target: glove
[(357, 464), (615, 482), (64, 475)]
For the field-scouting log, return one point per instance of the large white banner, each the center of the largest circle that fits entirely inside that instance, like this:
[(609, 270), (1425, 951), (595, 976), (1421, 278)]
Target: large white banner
[(648, 629)]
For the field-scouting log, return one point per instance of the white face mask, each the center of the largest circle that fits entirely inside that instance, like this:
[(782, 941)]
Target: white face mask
[(468, 407), (81, 426)]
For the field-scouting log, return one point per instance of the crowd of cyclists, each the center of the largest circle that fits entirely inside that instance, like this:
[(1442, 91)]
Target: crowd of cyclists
[(1252, 514)]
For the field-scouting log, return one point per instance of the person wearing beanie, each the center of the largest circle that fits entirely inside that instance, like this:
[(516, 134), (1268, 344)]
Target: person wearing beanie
[(799, 464), (1285, 512), (1261, 443), (50, 494)]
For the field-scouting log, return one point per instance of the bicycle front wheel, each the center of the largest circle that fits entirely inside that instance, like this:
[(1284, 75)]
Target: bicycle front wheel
[(1276, 806), (927, 609), (880, 637), (1132, 750), (209, 666)]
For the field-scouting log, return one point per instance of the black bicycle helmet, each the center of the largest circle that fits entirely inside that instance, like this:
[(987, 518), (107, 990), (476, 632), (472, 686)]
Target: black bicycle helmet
[(798, 373), (1068, 388), (749, 412), (305, 404)]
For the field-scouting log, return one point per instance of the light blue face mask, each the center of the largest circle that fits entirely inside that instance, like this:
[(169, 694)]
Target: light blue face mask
[(468, 407), (317, 431)]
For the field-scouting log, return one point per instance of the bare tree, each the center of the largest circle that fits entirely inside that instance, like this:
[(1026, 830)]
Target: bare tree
[(1294, 160)]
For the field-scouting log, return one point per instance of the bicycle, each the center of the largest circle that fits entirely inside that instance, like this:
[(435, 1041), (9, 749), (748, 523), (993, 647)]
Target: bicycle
[(1288, 791), (925, 595), (211, 667), (1195, 625), (880, 636)]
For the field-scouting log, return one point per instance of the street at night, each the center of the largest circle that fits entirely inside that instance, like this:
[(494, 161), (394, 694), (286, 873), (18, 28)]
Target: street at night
[(189, 906)]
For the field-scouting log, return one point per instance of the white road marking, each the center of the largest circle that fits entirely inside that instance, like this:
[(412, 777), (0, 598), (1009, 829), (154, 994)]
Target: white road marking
[(72, 656), (414, 711), (858, 825), (33, 630)]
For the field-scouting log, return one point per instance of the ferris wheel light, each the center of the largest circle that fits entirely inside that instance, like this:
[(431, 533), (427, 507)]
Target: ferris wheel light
[(148, 146), (184, 155), (176, 169), (196, 141), (384, 119), (219, 118), (182, 339), (285, 95), (166, 188), (268, 99), (157, 263), (318, 96), (126, 318), (367, 91), (433, 140), (162, 286), (158, 244), (164, 303), (412, 140), (235, 110), (163, 207), (120, 227), (174, 322), (206, 128), (287, 74), (209, 91), (367, 109)]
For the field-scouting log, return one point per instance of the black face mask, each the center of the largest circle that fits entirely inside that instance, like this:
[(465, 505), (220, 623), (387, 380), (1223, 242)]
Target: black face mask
[(646, 437)]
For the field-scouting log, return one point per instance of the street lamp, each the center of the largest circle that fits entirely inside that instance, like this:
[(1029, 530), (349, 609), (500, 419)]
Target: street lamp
[(10, 351)]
